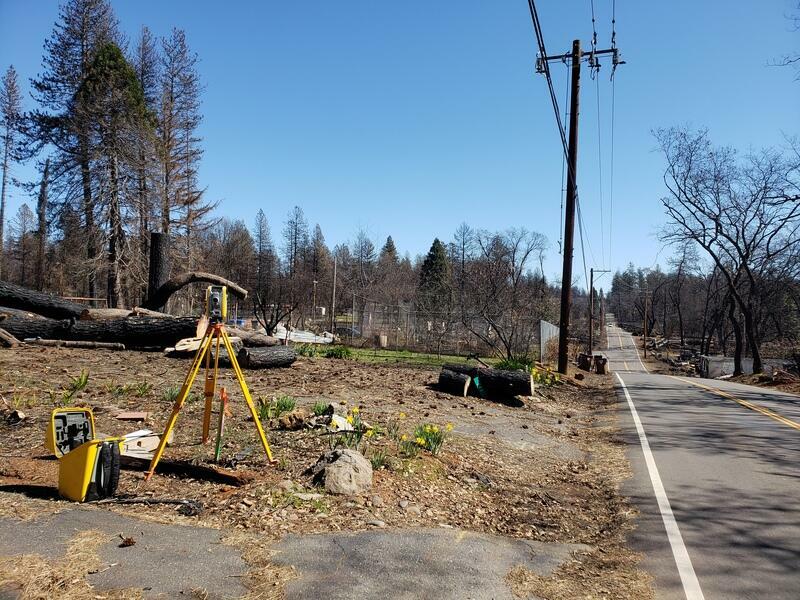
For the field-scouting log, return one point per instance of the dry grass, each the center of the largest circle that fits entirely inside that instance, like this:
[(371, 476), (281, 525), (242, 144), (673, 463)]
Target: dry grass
[(38, 578), (265, 581)]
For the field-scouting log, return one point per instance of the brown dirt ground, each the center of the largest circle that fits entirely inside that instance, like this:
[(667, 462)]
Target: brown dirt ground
[(548, 471)]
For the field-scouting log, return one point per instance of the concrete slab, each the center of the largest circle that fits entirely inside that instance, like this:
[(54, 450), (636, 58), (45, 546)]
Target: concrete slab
[(167, 561), (412, 563)]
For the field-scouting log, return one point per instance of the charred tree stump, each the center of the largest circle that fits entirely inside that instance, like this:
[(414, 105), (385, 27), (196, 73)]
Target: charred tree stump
[(47, 305), (494, 383), (454, 383)]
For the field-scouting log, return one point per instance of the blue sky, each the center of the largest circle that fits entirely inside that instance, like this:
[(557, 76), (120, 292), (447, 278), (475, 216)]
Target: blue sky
[(407, 118)]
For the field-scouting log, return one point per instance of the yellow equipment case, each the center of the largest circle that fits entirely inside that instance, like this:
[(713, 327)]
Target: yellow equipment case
[(88, 469)]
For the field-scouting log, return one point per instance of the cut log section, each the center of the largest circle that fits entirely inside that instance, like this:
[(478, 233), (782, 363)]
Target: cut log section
[(494, 383), (253, 339), (265, 358), (135, 332), (160, 297), (47, 305), (454, 383)]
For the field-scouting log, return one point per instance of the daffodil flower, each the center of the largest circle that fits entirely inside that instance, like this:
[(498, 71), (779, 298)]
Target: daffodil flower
[(449, 427)]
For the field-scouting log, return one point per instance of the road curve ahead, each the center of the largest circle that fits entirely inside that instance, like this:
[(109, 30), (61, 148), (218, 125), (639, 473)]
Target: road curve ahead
[(716, 480)]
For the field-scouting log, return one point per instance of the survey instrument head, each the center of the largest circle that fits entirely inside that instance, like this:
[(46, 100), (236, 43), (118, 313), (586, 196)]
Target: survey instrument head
[(216, 303)]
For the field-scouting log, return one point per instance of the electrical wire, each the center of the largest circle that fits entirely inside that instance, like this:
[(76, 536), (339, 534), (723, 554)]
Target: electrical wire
[(563, 169), (611, 183)]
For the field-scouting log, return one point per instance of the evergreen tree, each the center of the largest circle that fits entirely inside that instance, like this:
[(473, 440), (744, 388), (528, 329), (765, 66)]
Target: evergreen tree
[(389, 252), (434, 276), (10, 121), (62, 123)]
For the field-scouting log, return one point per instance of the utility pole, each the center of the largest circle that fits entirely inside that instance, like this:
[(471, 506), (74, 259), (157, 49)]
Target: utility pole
[(572, 171), (333, 299), (644, 340), (591, 306), (569, 219)]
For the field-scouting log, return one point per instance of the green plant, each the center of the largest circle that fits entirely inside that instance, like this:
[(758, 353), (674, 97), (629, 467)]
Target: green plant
[(408, 448), (73, 386), (379, 459), (264, 409), (284, 404), (171, 394), (351, 438), (338, 352), (143, 388), (431, 437), (309, 350), (522, 363), (320, 408), (544, 376)]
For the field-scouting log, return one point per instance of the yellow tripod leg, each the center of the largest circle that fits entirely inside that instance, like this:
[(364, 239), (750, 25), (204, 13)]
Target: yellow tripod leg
[(205, 344), (240, 377), (210, 387)]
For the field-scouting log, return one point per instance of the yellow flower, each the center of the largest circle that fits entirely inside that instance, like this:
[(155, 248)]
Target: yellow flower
[(449, 427), (402, 415), (370, 433), (435, 429), (427, 428), (420, 441), (355, 410), (403, 437), (350, 419), (334, 425)]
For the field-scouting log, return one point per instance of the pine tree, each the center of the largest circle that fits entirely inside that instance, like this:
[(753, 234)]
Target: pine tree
[(41, 231), (434, 275), (10, 120), (62, 123), (295, 237), (389, 251), (22, 230)]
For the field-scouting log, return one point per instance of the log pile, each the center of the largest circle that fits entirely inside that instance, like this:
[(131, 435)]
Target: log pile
[(492, 384)]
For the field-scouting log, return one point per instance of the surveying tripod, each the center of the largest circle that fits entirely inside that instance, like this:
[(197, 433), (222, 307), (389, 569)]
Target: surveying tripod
[(216, 335)]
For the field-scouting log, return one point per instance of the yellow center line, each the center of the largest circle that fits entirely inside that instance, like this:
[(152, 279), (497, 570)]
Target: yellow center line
[(764, 411), (627, 368)]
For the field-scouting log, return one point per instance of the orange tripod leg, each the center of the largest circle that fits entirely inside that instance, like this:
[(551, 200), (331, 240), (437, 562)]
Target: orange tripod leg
[(210, 386)]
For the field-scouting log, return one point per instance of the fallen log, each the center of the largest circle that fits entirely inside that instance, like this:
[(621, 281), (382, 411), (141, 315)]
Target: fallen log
[(47, 305), (160, 297), (8, 340), (495, 382), (264, 358), (454, 383), (76, 344), (6, 312), (135, 332), (253, 339), (504, 384)]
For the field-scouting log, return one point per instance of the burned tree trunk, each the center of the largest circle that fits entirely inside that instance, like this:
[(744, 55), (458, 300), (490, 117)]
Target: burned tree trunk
[(159, 263), (48, 305), (454, 383), (494, 383), (159, 297), (136, 332)]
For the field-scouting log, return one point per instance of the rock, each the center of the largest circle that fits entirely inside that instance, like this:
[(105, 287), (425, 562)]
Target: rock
[(287, 485), (579, 376), (377, 501), (404, 504), (376, 523), (344, 472), (307, 497), (413, 509), (294, 420), (15, 416)]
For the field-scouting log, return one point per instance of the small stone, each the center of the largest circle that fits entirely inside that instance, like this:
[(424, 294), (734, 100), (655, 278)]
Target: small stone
[(248, 501), (414, 510), (403, 504), (307, 497), (377, 501), (376, 523)]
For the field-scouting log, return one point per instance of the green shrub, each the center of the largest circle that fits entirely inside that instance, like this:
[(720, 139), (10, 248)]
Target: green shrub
[(143, 388), (319, 408), (270, 409), (284, 404), (309, 350), (338, 352), (171, 394), (523, 363)]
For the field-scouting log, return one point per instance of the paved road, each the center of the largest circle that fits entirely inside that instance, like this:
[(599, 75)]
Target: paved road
[(716, 480)]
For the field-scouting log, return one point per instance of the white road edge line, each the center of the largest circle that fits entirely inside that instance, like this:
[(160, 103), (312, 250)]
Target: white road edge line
[(691, 586), (637, 354)]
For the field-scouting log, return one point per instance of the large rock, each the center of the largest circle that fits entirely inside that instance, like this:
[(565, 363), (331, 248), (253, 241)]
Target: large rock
[(344, 472)]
